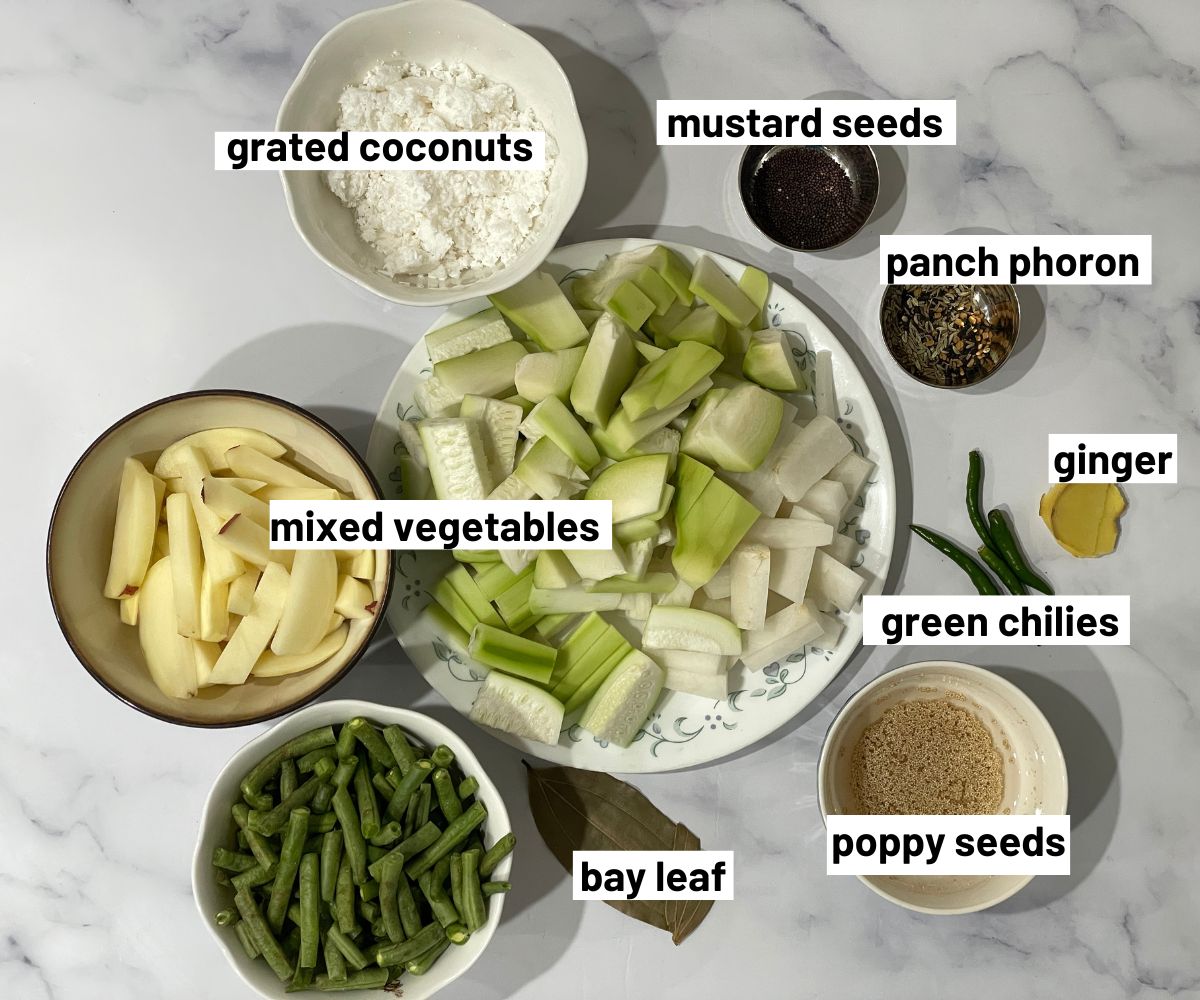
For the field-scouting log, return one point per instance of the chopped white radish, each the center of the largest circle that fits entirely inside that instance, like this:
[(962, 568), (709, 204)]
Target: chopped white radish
[(721, 606), (835, 583), (457, 463), (354, 599), (690, 628), (809, 455), (714, 686), (827, 499), (168, 655), (832, 628), (310, 600), (790, 569), (636, 606), (253, 632), (138, 502), (187, 563), (823, 393), (789, 533), (680, 596), (751, 565), (692, 662), (852, 472), (518, 707), (843, 548), (784, 633), (273, 665)]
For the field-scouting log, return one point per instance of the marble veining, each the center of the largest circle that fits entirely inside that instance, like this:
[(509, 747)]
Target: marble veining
[(129, 269)]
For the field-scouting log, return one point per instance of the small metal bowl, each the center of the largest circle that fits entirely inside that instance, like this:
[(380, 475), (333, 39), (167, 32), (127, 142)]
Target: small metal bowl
[(1000, 310), (859, 165)]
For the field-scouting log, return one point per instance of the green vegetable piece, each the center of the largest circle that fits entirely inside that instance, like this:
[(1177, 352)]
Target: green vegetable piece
[(552, 418), (484, 329), (495, 888), (630, 304), (368, 807), (331, 860), (703, 325), (651, 583), (490, 372), (668, 379), (1003, 571), (538, 307), (260, 934), (475, 913), (590, 631), (343, 898), (691, 478), (247, 939), (1006, 545), (769, 362), (447, 795), (408, 784), (367, 979), (478, 605), (345, 944), (623, 702), (605, 372), (965, 561), (660, 326), (232, 861), (512, 654), (335, 961), (454, 834), (676, 272), (289, 865), (756, 286), (709, 530), (265, 769), (592, 682), (310, 910), (713, 285), (553, 570), (353, 842), (738, 430), (420, 966), (432, 886), (610, 644), (634, 486), (397, 954), (494, 580), (500, 850), (652, 284), (288, 778), (549, 373)]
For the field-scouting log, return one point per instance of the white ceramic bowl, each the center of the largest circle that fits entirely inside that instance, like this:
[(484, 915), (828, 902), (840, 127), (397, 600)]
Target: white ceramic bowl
[(426, 32), (216, 828), (1035, 774)]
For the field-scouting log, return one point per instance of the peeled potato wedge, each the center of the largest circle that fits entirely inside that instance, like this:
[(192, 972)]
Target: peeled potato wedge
[(168, 655), (187, 564), (272, 665), (253, 632), (354, 599), (253, 463), (309, 603), (213, 444), (138, 504)]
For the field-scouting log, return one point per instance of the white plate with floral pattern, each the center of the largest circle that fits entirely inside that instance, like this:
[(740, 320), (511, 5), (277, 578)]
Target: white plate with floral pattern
[(684, 730)]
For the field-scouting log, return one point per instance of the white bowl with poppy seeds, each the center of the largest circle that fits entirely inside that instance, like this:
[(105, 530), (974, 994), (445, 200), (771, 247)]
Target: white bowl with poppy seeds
[(216, 829), (1034, 771)]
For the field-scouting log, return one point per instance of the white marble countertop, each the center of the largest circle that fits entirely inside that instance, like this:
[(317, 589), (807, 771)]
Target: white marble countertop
[(129, 270)]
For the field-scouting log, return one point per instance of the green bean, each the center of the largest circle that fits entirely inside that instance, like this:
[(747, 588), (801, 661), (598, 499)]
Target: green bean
[(306, 763), (226, 918), (370, 910), (291, 943), (467, 787), (406, 903), (340, 779), (500, 850), (1002, 570), (368, 979), (388, 834), (424, 798), (383, 786), (447, 796), (974, 507), (350, 951), (266, 768), (369, 890), (331, 858), (312, 843), (401, 749), (456, 882), (458, 933), (293, 913), (410, 813), (965, 561), (495, 888), (270, 823), (389, 887), (232, 861), (368, 807), (407, 787), (442, 756), (302, 980), (454, 834), (260, 933), (322, 824), (244, 936), (355, 846), (335, 961), (261, 848), (289, 865), (476, 911), (343, 899), (260, 874), (1006, 545), (221, 877), (374, 854), (416, 946), (408, 848), (372, 742), (345, 743), (241, 812), (288, 778), (432, 885), (419, 966), (310, 910), (379, 930)]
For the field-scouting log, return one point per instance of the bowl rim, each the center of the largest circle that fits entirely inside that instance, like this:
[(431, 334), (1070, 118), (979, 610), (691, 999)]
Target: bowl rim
[(370, 710), (1027, 705), (785, 246), (966, 385), (449, 295), (261, 397)]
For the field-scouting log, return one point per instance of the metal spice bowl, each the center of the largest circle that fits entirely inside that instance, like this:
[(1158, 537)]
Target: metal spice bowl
[(950, 336)]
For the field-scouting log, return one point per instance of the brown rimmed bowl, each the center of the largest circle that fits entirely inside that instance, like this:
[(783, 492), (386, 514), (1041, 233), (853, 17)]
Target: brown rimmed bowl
[(80, 541)]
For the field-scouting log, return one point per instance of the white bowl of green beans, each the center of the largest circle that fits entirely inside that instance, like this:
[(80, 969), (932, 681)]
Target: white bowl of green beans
[(353, 846)]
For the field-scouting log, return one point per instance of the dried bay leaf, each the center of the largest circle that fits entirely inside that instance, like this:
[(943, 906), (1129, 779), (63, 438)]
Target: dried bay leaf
[(590, 811)]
